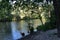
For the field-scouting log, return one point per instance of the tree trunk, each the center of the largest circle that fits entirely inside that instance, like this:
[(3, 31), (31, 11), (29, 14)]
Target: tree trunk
[(40, 19), (56, 4)]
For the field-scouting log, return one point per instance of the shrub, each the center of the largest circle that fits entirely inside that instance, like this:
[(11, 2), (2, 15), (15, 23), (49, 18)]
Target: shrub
[(47, 26)]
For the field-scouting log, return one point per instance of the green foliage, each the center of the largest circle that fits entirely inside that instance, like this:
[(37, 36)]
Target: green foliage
[(38, 0), (49, 25), (42, 27), (5, 10), (45, 27), (26, 18)]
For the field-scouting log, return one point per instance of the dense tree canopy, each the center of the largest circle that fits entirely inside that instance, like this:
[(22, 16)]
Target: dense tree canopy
[(5, 10), (30, 8)]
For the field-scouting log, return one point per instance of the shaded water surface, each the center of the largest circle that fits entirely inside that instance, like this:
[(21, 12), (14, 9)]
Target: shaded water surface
[(15, 29)]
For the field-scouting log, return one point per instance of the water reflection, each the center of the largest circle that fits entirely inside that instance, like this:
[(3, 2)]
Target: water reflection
[(15, 32), (17, 28), (24, 27)]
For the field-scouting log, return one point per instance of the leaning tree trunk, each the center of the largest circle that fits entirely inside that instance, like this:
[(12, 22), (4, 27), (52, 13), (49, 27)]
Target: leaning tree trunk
[(56, 4)]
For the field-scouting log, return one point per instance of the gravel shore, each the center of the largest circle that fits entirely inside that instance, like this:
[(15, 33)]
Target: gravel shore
[(40, 35)]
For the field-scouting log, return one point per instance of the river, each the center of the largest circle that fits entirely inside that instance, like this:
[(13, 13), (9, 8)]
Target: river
[(16, 28)]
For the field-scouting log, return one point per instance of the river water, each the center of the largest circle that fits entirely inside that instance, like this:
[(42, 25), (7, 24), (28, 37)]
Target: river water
[(16, 28)]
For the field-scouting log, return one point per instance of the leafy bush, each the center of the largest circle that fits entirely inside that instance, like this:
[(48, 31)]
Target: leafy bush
[(42, 27), (47, 26)]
